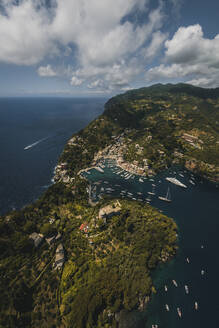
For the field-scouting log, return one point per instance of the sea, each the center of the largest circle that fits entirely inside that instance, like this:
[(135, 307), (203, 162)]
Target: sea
[(33, 133)]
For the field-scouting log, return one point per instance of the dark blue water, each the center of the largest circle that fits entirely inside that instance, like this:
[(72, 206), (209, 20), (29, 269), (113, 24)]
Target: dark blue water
[(24, 174), (196, 212)]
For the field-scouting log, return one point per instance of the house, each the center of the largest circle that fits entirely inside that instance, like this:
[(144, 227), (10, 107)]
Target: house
[(109, 210), (51, 240), (37, 238), (84, 227), (59, 257)]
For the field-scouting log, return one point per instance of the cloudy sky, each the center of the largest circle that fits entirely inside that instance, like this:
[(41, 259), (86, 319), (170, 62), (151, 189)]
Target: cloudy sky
[(103, 47)]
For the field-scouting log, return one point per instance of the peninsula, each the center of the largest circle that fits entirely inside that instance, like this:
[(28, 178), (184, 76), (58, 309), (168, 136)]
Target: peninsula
[(66, 263)]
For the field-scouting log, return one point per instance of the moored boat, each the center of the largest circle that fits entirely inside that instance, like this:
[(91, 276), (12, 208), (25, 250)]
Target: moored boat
[(167, 198), (175, 283), (179, 312), (176, 182), (167, 307)]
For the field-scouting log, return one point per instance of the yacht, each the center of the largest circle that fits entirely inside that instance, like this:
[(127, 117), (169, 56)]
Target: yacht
[(175, 283), (180, 174), (167, 197), (186, 289), (192, 182), (151, 193), (179, 312), (202, 272), (165, 288), (99, 169), (176, 182), (187, 260), (141, 180), (196, 306), (167, 307)]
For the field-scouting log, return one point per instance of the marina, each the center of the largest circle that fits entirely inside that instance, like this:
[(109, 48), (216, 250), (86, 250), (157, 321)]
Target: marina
[(120, 184)]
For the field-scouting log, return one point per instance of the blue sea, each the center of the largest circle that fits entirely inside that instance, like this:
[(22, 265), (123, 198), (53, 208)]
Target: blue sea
[(43, 126)]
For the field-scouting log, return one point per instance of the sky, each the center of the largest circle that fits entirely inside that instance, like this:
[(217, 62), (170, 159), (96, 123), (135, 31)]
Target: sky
[(105, 47)]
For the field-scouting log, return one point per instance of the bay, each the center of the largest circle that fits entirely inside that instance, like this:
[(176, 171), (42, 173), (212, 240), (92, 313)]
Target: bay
[(196, 212)]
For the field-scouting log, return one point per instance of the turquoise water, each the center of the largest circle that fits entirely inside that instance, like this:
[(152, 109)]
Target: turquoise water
[(196, 213)]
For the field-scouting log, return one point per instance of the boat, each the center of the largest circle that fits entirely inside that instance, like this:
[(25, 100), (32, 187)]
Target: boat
[(151, 193), (167, 307), (202, 246), (179, 312), (202, 272), (181, 175), (99, 169), (176, 182), (141, 180), (167, 198), (165, 288), (192, 182), (196, 306), (186, 289), (175, 283), (187, 260)]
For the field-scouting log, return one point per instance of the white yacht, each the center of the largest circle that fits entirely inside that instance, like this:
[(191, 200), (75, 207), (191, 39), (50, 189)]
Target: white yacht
[(179, 312), (176, 182), (186, 289), (196, 305), (167, 307), (175, 283)]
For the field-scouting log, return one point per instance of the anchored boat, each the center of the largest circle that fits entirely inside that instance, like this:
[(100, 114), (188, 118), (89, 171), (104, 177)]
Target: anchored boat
[(176, 182), (167, 198)]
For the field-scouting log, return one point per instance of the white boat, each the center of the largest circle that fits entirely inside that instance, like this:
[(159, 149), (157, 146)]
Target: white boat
[(192, 182), (167, 307), (176, 182), (167, 198), (187, 260), (179, 312), (151, 193), (186, 289), (141, 180), (175, 283), (165, 288), (181, 175), (202, 272), (196, 306), (99, 169)]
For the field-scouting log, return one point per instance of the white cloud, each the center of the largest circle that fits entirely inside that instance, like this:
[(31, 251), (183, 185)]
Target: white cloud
[(24, 36), (76, 81), (46, 71), (190, 55), (93, 34)]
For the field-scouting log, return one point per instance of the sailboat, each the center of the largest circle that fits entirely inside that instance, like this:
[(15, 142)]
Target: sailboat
[(167, 198)]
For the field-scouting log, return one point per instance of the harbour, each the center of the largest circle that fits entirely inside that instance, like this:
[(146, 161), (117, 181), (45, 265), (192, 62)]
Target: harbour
[(195, 211)]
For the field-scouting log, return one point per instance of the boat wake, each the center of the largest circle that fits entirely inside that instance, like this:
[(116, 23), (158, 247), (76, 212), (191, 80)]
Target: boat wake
[(34, 144)]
